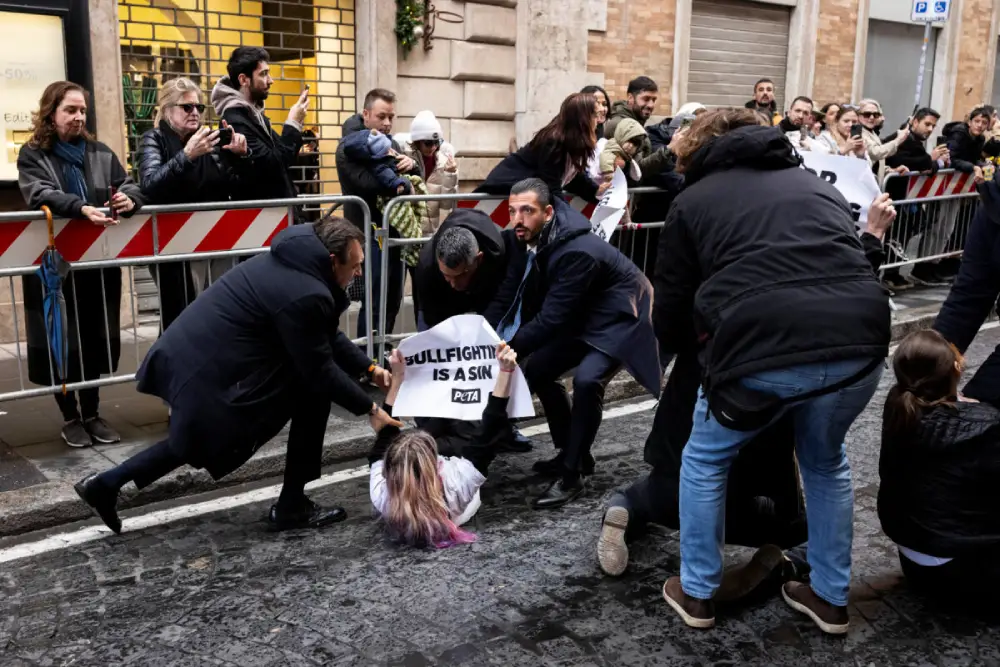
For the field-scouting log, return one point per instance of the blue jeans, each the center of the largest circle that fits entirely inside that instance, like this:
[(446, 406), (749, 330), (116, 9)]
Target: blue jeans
[(820, 426)]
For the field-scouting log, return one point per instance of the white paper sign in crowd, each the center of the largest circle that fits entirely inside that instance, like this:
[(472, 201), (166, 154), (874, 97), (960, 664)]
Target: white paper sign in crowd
[(451, 370), (853, 177), (611, 207)]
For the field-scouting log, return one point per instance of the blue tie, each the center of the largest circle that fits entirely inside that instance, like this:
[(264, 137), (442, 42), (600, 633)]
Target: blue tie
[(509, 327)]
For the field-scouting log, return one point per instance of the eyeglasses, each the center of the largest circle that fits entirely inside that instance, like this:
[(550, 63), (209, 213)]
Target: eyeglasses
[(871, 114), (188, 108)]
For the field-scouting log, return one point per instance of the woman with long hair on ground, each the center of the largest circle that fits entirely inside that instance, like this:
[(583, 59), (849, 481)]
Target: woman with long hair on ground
[(939, 465), (559, 153), (423, 485)]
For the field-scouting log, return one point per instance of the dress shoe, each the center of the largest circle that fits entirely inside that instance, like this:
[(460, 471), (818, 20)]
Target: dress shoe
[(554, 466), (612, 551), (558, 494), (102, 499), (308, 515), (519, 444), (696, 613)]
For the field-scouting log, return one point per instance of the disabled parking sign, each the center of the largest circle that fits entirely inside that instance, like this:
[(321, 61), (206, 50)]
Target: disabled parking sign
[(930, 11)]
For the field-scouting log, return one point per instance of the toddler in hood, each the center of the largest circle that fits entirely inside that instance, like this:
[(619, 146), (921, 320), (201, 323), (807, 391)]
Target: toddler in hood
[(620, 151), (374, 149)]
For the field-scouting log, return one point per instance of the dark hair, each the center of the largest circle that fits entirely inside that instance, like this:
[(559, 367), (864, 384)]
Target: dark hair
[(924, 112), (845, 108), (984, 110), (926, 377), (379, 94), (571, 133), (760, 81), (457, 247), (537, 186), (244, 60), (709, 125), (590, 90), (826, 107), (802, 98), (641, 84), (43, 125), (337, 234)]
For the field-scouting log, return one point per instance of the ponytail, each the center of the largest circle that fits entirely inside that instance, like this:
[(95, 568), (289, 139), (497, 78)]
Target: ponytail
[(927, 369), (904, 409)]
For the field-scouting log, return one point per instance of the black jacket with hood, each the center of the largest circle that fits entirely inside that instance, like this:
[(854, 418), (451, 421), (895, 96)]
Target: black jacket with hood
[(239, 359), (265, 172), (438, 300), (938, 491), (760, 266), (583, 287), (967, 150), (537, 161), (168, 176)]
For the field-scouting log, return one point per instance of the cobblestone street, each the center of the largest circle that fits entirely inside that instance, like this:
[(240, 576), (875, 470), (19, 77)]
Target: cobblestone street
[(220, 590)]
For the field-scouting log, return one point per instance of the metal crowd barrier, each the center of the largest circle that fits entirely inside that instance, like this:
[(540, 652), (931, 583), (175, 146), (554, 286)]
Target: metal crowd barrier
[(156, 235), (933, 217)]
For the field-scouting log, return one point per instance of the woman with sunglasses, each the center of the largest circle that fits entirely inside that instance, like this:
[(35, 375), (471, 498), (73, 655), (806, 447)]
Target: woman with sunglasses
[(870, 113), (435, 158), (181, 162)]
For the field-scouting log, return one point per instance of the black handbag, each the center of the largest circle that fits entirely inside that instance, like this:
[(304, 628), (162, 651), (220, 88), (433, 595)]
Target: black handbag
[(740, 408)]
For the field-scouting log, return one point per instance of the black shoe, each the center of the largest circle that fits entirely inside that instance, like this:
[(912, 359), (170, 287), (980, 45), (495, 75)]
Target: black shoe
[(101, 432), (558, 494), (926, 274), (102, 499), (309, 515), (896, 282), (519, 444), (554, 467), (75, 435)]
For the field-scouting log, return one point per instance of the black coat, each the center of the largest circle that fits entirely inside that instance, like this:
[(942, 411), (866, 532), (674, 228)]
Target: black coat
[(168, 176), (967, 150), (938, 491), (266, 172), (534, 161), (438, 301), (93, 296), (233, 363), (582, 287), (912, 154), (760, 266), (358, 178)]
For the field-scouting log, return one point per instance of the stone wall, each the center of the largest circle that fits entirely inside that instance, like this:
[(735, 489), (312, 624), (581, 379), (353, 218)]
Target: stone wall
[(975, 57), (835, 50)]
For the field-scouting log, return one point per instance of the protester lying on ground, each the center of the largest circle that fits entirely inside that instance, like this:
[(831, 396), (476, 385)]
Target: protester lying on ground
[(258, 349), (424, 485), (181, 161), (938, 493), (579, 304), (61, 166), (810, 348), (558, 154)]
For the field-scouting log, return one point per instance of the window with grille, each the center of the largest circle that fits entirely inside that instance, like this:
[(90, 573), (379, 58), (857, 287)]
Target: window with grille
[(310, 42)]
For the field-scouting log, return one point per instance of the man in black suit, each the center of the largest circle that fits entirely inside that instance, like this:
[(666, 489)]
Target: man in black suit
[(238, 98)]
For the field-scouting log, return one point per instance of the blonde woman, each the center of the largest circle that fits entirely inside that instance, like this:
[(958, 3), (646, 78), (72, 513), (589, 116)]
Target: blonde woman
[(181, 162), (425, 483), (872, 118)]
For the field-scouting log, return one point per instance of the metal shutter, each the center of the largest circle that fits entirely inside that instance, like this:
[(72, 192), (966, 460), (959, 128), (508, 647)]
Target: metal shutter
[(733, 44), (891, 68)]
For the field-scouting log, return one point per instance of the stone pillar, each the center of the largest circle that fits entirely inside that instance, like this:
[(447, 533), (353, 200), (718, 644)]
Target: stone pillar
[(836, 49), (976, 54), (945, 77), (801, 70), (376, 47)]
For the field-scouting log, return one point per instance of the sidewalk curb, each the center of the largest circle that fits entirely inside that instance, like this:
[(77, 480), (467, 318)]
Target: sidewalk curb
[(54, 503)]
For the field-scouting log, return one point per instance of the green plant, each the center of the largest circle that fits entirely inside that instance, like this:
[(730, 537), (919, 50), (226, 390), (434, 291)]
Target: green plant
[(409, 23)]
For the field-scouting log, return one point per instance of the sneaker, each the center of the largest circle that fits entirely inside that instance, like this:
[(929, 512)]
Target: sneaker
[(831, 619), (612, 552), (696, 613), (101, 432), (762, 574), (75, 435)]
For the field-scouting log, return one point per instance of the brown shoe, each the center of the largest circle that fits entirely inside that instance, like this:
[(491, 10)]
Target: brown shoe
[(612, 552), (696, 613), (743, 580), (831, 619)]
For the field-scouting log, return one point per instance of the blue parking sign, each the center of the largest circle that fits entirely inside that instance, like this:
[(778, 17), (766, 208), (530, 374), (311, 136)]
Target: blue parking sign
[(930, 11), (921, 8)]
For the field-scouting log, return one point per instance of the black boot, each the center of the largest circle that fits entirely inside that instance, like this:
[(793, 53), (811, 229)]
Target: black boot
[(559, 493), (102, 498)]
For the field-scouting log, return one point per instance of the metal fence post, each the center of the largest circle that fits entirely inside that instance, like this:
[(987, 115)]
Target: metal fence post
[(367, 298)]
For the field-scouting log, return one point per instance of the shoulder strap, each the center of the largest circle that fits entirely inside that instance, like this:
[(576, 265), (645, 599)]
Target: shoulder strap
[(836, 386)]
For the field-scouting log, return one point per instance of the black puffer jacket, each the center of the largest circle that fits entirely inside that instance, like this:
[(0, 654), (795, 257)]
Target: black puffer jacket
[(966, 150), (759, 262), (167, 176), (939, 493)]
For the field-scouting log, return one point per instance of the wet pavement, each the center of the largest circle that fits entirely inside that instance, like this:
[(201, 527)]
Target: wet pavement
[(220, 590)]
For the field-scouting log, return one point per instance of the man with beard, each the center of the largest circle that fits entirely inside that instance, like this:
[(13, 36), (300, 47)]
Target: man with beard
[(799, 118), (639, 103), (764, 101), (238, 98)]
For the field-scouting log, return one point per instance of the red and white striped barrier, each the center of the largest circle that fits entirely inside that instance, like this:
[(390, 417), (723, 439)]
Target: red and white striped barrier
[(22, 242), (921, 186), (499, 211)]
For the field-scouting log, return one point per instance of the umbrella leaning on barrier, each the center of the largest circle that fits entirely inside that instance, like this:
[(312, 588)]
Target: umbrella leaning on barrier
[(52, 272)]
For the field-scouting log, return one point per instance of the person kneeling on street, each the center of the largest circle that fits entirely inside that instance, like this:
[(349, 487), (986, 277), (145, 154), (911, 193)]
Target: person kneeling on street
[(579, 304), (259, 348), (424, 485), (940, 461)]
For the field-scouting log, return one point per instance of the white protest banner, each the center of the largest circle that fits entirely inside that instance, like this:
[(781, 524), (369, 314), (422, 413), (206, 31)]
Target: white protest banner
[(853, 177), (451, 371), (611, 208)]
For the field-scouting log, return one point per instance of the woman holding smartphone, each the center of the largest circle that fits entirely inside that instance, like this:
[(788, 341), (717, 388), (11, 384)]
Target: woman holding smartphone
[(845, 135), (184, 161)]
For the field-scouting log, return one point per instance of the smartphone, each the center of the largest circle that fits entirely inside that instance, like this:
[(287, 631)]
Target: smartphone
[(856, 130), (112, 191), (941, 141), (803, 133), (225, 136)]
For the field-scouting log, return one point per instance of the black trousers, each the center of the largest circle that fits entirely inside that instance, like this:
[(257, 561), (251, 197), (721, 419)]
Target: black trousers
[(969, 583), (90, 403), (573, 426), (303, 458)]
